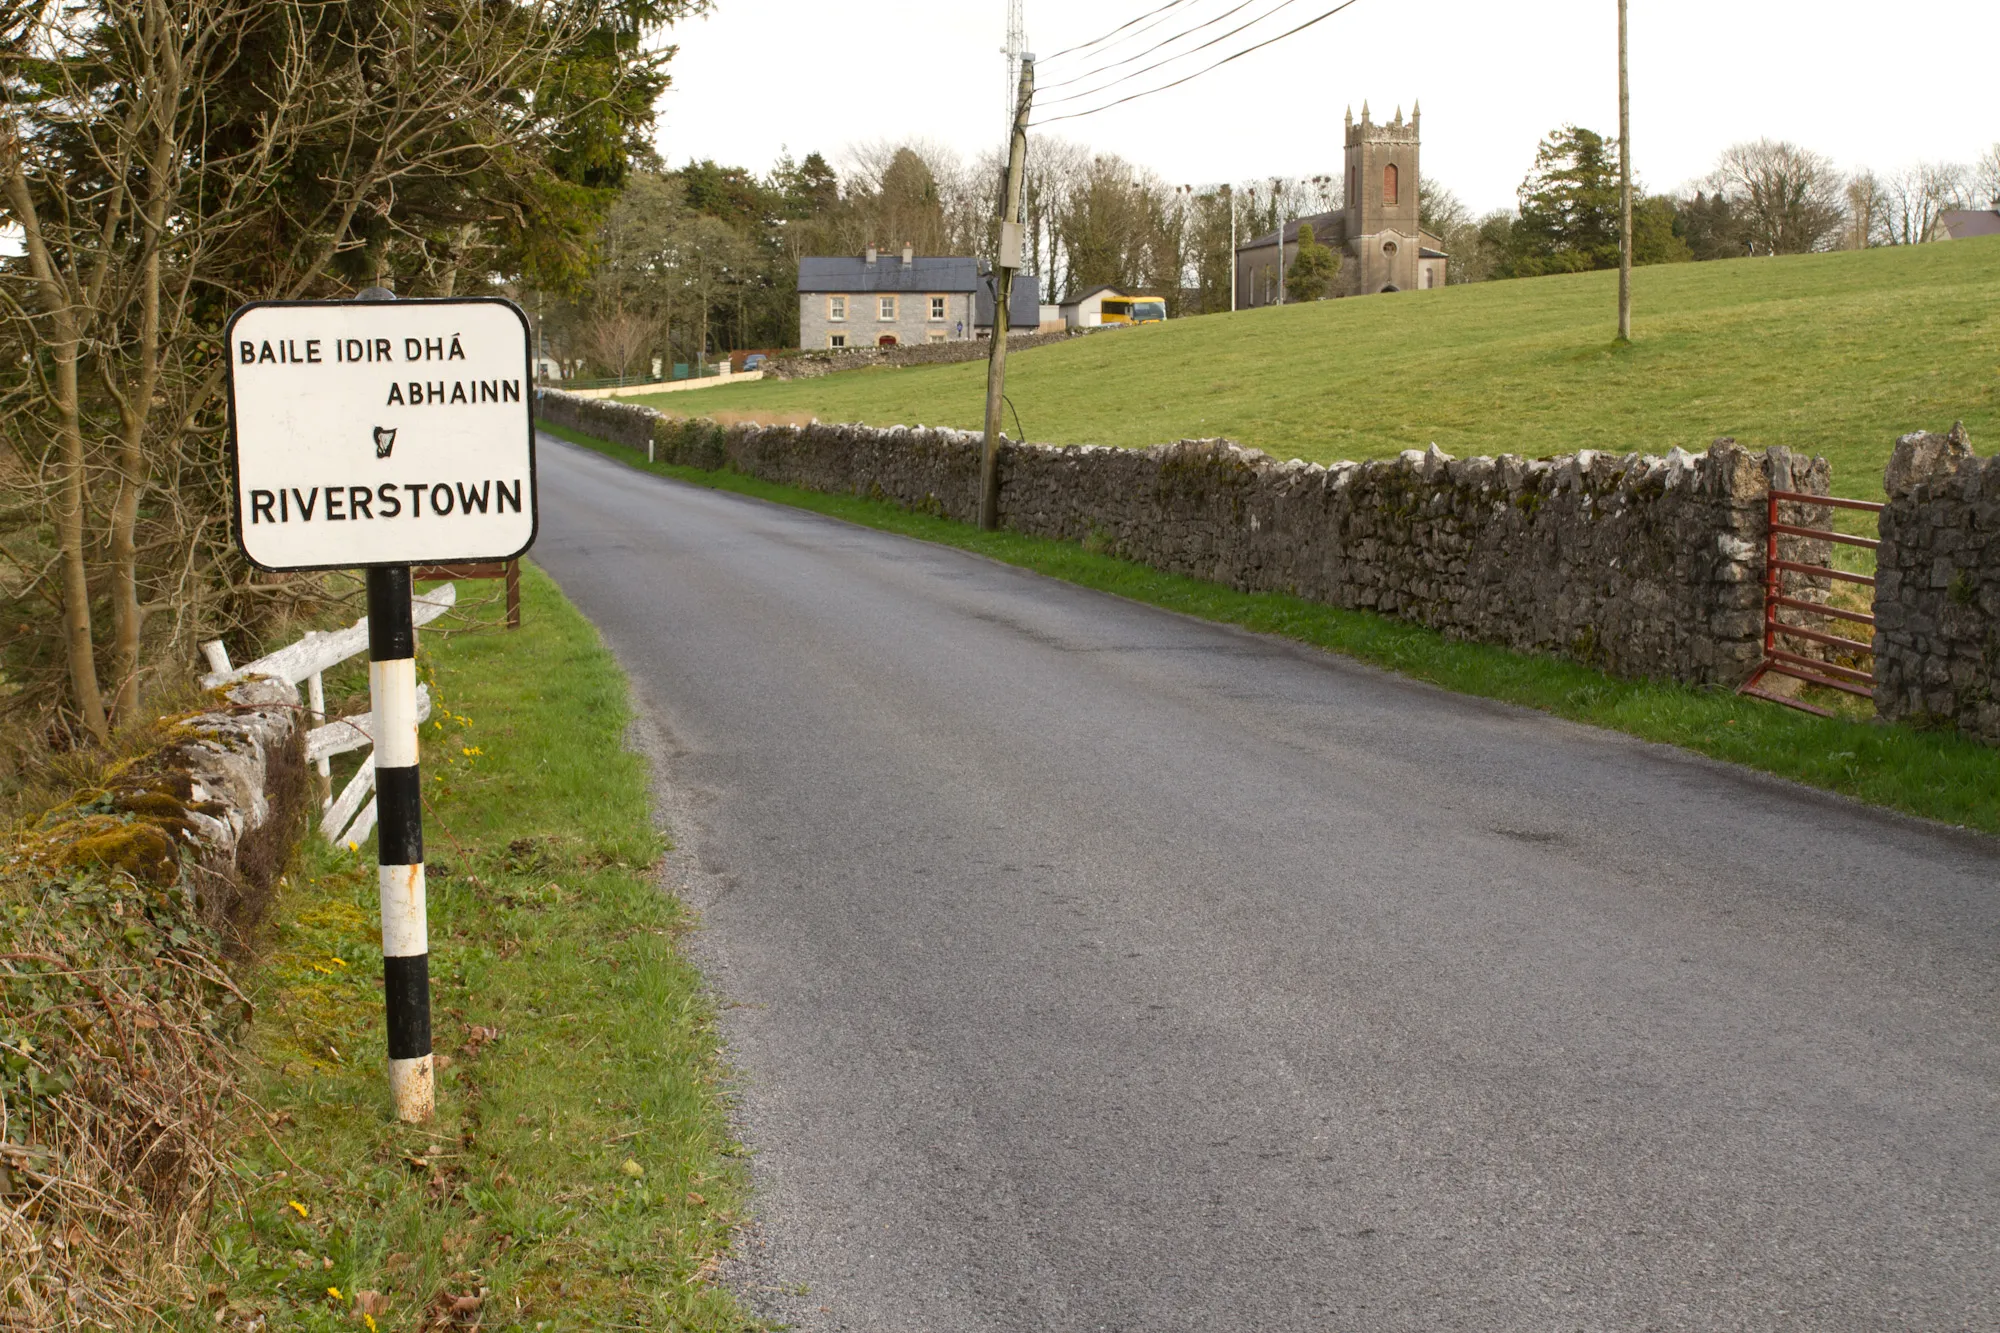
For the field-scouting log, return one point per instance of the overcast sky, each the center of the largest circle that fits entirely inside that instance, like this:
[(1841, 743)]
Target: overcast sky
[(1868, 85)]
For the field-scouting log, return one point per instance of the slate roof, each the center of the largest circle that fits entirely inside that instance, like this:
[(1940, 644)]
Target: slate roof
[(1024, 303), (1960, 223), (853, 273), (1323, 225)]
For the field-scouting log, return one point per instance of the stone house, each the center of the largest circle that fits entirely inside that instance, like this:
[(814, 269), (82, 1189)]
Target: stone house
[(878, 300), (1382, 248)]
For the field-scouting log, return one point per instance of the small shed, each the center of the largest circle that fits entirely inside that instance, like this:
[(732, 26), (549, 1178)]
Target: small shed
[(1087, 311)]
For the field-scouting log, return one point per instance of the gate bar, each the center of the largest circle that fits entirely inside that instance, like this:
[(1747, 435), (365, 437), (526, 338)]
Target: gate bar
[(1825, 535)]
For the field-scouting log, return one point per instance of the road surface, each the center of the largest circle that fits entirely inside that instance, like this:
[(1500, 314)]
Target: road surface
[(1089, 967)]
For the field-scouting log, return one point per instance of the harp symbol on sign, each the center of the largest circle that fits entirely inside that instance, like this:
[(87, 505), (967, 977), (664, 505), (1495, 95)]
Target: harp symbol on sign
[(385, 440)]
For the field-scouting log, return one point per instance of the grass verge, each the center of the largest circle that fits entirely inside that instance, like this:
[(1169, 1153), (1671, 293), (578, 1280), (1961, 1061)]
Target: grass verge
[(580, 1174), (1936, 775)]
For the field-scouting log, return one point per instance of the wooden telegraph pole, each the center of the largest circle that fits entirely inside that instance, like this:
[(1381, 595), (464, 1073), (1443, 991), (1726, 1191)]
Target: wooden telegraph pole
[(1625, 187), (1011, 248)]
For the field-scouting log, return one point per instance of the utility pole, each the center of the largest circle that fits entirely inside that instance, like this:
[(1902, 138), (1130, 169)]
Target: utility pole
[(1017, 42), (1625, 187), (1281, 242), (1229, 193), (1003, 294)]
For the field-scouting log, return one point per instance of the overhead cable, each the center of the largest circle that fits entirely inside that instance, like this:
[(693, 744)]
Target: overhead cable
[(1179, 55), (1098, 41), (1161, 45), (1073, 115)]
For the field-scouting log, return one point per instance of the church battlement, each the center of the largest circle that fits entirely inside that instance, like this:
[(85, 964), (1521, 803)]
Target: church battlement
[(1398, 130)]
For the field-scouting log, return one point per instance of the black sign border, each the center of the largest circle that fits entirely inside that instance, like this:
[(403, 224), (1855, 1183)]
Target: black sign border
[(236, 466)]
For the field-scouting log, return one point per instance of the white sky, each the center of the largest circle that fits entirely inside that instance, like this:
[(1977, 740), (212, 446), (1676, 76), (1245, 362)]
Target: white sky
[(1872, 85)]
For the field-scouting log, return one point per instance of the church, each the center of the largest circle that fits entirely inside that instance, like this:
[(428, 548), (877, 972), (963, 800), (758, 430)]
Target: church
[(1381, 247)]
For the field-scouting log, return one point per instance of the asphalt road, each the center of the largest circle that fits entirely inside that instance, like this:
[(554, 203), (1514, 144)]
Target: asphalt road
[(1094, 968)]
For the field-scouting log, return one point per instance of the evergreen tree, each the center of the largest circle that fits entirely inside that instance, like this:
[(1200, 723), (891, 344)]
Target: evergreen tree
[(1569, 207), (1312, 270)]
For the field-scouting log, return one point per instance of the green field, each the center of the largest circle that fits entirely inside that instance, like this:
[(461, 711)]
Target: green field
[(1833, 354)]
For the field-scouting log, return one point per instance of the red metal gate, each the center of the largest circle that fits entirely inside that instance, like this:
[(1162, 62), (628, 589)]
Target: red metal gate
[(1779, 661)]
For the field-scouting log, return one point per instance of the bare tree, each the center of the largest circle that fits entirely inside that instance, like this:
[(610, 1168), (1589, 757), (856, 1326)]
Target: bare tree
[(1443, 215), (617, 338), (1787, 199), (914, 192), (1917, 195), (1056, 170), (164, 160), (1986, 179), (1867, 212)]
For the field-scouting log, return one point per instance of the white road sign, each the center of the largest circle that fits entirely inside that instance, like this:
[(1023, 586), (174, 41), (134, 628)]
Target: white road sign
[(381, 432)]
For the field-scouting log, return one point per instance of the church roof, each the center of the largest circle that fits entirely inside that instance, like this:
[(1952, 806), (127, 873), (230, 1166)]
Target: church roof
[(1326, 226)]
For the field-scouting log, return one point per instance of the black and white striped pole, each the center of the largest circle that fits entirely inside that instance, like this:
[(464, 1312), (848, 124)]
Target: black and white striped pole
[(399, 832), (386, 434), (399, 840)]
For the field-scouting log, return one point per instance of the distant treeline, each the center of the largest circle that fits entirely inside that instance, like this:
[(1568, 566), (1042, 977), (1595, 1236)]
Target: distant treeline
[(702, 259)]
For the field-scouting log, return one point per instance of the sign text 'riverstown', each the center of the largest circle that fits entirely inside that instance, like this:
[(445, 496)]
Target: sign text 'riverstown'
[(381, 433)]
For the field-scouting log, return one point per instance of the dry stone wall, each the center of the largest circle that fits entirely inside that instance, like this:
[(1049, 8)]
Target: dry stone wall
[(813, 364), (1937, 596), (1644, 566)]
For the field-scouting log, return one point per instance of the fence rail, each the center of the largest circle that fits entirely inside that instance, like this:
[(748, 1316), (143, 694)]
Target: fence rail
[(349, 817)]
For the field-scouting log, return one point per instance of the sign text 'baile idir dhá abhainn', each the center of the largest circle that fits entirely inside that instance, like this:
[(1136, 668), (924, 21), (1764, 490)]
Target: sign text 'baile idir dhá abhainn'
[(381, 433)]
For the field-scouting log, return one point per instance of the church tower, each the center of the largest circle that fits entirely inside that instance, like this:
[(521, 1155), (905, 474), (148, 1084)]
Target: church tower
[(1382, 185)]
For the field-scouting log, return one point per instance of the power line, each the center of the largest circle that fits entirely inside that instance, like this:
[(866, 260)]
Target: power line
[(1073, 115), (1163, 43), (1182, 55), (1134, 35), (1097, 41)]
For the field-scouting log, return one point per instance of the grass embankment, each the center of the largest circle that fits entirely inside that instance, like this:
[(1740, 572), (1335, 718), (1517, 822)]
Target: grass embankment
[(580, 1173), (1936, 775), (1833, 354)]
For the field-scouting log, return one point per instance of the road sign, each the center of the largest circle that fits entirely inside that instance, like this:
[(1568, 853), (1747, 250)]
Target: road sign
[(370, 433)]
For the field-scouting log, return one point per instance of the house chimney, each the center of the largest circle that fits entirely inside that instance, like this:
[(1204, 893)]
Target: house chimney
[(909, 254), (871, 254)]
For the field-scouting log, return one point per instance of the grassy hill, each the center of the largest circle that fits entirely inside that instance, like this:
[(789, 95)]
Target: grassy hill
[(1834, 354)]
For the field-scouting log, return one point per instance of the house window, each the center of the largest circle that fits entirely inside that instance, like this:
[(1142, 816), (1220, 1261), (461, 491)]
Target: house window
[(937, 309), (836, 340), (836, 309), (888, 307), (935, 335), (1390, 180)]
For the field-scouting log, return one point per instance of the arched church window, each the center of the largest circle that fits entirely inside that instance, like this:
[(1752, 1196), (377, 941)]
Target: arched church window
[(1390, 184)]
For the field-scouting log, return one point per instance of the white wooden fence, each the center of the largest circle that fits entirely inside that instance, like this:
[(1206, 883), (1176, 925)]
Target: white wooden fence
[(350, 816)]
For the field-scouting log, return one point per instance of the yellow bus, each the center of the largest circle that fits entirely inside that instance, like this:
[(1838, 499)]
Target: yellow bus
[(1134, 310)]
